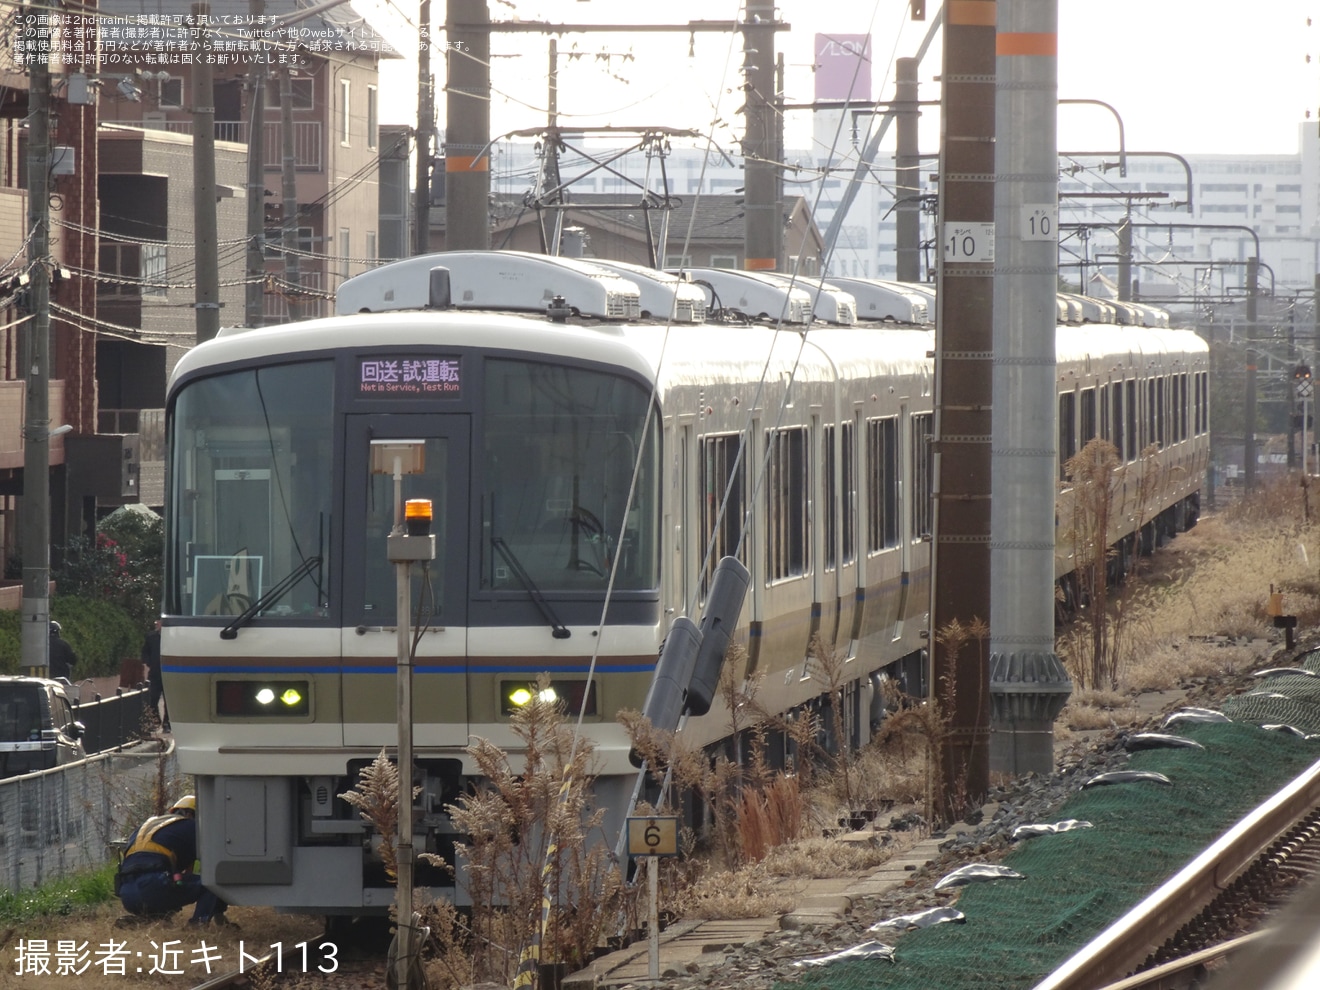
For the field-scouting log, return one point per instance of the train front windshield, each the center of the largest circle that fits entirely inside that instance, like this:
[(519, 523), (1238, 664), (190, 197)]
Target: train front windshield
[(560, 446), (530, 467), (250, 493)]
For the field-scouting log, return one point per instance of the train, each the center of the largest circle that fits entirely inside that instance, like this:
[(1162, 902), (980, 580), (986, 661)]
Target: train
[(594, 440)]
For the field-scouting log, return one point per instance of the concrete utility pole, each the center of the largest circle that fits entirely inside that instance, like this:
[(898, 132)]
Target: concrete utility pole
[(425, 135), (255, 290), (289, 191), (1028, 684), (35, 520), (548, 179), (763, 225), (207, 293), (467, 127), (964, 367), (907, 192)]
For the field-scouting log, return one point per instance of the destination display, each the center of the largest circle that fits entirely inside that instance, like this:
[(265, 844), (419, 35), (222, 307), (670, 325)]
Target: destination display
[(407, 378)]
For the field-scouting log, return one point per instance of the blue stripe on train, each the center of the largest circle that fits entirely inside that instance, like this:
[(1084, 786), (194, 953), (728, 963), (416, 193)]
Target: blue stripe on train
[(417, 668)]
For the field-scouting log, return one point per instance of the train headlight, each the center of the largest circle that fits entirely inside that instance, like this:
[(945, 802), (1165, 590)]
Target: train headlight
[(567, 695), (263, 699)]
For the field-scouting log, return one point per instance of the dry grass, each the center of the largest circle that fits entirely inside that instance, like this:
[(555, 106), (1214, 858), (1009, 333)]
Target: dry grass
[(1199, 606)]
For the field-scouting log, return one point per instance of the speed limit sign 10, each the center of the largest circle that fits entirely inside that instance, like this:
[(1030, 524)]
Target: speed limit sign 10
[(652, 836)]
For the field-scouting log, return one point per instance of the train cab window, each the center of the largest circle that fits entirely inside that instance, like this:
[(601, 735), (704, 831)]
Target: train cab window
[(882, 475), (561, 446), (252, 477), (723, 490), (787, 532)]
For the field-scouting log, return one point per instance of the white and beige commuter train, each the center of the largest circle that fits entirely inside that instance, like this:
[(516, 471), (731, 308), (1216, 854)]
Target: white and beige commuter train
[(587, 465)]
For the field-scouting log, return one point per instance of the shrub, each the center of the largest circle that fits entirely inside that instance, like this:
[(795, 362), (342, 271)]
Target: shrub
[(101, 634), (123, 564)]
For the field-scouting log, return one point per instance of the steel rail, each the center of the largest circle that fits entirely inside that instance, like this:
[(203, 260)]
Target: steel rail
[(1188, 971), (1127, 943)]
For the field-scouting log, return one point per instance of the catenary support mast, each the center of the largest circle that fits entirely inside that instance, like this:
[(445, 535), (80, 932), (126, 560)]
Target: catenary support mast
[(960, 557), (1028, 684)]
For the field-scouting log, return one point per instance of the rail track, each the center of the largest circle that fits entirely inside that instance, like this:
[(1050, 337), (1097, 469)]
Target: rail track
[(1210, 911)]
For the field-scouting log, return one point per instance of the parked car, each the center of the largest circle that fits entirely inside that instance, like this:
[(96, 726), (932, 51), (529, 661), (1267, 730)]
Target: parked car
[(37, 727)]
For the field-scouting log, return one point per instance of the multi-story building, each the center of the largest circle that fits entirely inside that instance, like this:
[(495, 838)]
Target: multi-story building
[(1196, 220), (330, 57)]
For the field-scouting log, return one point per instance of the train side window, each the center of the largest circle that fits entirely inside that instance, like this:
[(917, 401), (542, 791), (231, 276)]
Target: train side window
[(723, 502), (1067, 431), (1088, 416), (1119, 434), (923, 474), (1106, 424), (849, 507), (786, 522), (830, 510), (882, 484), (1130, 404), (1182, 406), (1154, 421), (840, 487)]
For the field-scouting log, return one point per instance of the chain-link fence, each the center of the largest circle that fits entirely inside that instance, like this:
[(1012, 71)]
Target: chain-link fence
[(70, 818)]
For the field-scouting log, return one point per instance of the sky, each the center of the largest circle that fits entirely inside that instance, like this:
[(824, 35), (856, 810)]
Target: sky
[(1185, 76)]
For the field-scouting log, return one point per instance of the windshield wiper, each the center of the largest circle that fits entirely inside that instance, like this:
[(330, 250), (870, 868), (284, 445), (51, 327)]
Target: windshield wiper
[(561, 631), (275, 593)]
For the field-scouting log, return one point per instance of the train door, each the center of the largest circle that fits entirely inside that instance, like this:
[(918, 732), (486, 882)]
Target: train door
[(439, 592)]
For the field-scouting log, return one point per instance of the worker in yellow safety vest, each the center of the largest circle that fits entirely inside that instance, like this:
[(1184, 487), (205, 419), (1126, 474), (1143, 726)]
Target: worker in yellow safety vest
[(156, 875)]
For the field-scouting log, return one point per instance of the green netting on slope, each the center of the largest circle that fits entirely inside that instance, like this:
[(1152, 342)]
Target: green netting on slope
[(1299, 706), (1077, 883)]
